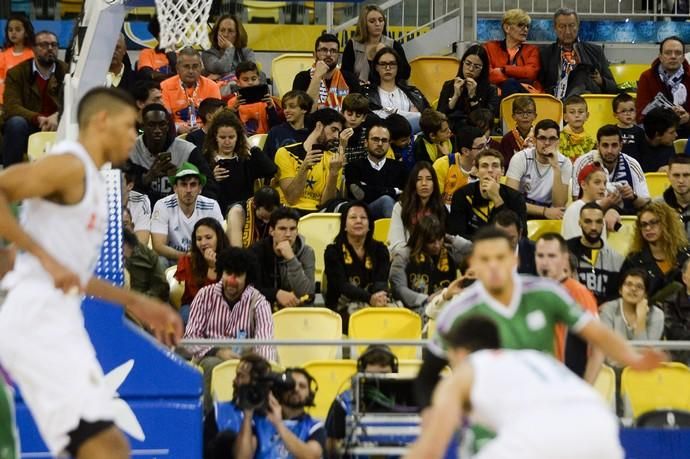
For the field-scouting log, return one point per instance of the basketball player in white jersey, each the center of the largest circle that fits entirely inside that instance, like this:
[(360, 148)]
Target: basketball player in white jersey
[(43, 343), (536, 406)]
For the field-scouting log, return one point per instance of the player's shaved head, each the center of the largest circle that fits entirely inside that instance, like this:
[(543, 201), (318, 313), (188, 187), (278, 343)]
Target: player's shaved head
[(473, 333), (111, 100)]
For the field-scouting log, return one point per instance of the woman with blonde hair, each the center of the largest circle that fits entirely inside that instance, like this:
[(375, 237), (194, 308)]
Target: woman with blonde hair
[(660, 247), (369, 38), (513, 65)]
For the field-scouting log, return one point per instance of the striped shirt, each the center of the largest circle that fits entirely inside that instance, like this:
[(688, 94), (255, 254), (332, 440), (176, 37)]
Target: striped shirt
[(211, 317)]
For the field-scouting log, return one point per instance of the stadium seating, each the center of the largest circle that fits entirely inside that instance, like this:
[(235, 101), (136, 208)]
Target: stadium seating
[(409, 367), (621, 240), (430, 328), (176, 287), (319, 229), (333, 377), (430, 72), (222, 377), (381, 227), (263, 11), (258, 140), (600, 112), (300, 323), (667, 387), (23, 6), (548, 107), (605, 384), (65, 7), (285, 67), (387, 323), (627, 73), (39, 144), (657, 182), (536, 228), (679, 145)]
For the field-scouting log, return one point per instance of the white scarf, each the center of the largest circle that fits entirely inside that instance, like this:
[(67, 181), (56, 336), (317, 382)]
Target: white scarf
[(675, 84)]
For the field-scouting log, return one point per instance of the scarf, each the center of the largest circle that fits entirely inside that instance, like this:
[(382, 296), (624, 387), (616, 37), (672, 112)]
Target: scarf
[(675, 84), (569, 60), (519, 141), (432, 149), (333, 95), (573, 137), (442, 264), (251, 231)]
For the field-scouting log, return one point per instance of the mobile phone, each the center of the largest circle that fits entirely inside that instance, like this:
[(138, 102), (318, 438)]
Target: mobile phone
[(252, 94), (225, 163), (320, 146), (166, 156)]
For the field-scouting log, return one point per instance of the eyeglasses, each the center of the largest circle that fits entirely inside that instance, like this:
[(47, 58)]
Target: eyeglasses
[(480, 147), (46, 45), (473, 66), (649, 224), (633, 285), (327, 50), (379, 140), (544, 139), (630, 110), (525, 113), (387, 65)]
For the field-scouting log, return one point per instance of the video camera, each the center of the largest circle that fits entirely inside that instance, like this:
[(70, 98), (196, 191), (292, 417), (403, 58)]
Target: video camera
[(255, 394)]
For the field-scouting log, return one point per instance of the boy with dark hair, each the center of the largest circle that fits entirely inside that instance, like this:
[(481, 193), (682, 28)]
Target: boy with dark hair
[(483, 118), (521, 137), (296, 105), (660, 125), (632, 135), (257, 117), (435, 140), (455, 170), (355, 111), (574, 141), (145, 92), (207, 110), (401, 139)]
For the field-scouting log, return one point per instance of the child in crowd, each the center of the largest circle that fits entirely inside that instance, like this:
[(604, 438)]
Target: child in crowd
[(355, 111), (296, 105), (402, 140), (574, 141), (260, 116), (522, 136), (483, 118), (632, 134), (207, 110), (19, 38), (435, 139)]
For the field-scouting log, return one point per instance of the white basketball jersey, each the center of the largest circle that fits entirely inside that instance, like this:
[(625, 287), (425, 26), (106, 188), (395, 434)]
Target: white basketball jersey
[(509, 385), (71, 234)]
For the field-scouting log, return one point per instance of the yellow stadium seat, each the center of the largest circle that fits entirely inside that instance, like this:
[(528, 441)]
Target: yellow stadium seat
[(657, 182), (306, 323), (257, 140), (605, 384), (286, 66), (39, 144), (68, 7), (176, 287), (387, 323), (667, 387), (430, 328), (333, 377), (409, 367), (627, 73), (319, 229), (222, 377), (434, 104), (600, 112), (536, 228), (621, 240), (381, 227), (263, 11), (548, 107), (679, 145), (430, 72)]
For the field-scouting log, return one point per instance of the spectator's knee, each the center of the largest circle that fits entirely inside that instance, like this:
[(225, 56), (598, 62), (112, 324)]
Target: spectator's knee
[(16, 125)]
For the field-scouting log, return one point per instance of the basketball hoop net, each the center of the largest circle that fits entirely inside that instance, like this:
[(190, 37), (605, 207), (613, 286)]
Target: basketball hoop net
[(183, 23)]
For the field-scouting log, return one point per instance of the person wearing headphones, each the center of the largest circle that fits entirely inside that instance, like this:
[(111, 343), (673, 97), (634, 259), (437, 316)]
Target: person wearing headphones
[(377, 358), (286, 431)]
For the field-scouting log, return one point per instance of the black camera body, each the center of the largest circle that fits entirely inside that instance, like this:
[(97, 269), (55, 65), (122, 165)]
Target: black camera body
[(255, 394)]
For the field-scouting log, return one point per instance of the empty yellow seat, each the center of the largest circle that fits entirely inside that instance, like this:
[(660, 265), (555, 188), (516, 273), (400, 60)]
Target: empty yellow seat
[(39, 144), (319, 229), (409, 367), (627, 73), (600, 107), (428, 73), (536, 228), (548, 107), (263, 10), (222, 377), (387, 323), (381, 227), (657, 182), (257, 140), (306, 323), (621, 240), (333, 377), (286, 66), (605, 384), (667, 387), (176, 287), (679, 146)]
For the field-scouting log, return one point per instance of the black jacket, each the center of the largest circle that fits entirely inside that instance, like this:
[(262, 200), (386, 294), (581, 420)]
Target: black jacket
[(657, 279), (414, 94), (376, 183), (485, 97), (580, 80), (677, 322), (526, 262), (467, 216)]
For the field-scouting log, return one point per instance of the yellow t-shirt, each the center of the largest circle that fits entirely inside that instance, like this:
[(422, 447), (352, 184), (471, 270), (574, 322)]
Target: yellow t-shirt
[(442, 168), (288, 159)]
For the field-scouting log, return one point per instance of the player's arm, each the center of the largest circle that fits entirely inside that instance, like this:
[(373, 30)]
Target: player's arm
[(616, 348), (428, 376), (55, 177), (441, 420), (163, 320), (594, 362)]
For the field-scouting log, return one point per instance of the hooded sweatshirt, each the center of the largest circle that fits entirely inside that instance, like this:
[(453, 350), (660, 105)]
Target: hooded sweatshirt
[(597, 269)]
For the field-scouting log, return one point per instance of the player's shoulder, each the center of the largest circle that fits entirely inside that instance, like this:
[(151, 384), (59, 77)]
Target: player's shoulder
[(460, 304)]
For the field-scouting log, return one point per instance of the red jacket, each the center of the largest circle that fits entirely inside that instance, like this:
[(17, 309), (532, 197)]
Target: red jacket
[(525, 69), (650, 84)]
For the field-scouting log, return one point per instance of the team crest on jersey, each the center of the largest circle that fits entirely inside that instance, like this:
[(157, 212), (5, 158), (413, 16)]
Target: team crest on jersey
[(536, 320)]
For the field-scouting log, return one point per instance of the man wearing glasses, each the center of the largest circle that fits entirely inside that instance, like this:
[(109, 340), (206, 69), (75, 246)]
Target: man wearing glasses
[(325, 82), (572, 67), (542, 174), (33, 97)]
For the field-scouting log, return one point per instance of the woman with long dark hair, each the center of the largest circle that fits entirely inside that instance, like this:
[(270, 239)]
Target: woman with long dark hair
[(356, 265), (469, 90), (420, 197)]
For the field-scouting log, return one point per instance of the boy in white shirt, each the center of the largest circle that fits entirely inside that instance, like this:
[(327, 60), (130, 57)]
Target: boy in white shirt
[(174, 216)]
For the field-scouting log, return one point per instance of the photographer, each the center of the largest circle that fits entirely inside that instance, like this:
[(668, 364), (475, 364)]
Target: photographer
[(377, 358), (286, 431)]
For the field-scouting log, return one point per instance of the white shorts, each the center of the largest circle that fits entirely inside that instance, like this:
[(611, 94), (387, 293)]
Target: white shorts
[(46, 350), (575, 433)]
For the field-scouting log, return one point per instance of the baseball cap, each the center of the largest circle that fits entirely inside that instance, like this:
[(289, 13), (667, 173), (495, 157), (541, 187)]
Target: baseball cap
[(185, 170), (587, 170)]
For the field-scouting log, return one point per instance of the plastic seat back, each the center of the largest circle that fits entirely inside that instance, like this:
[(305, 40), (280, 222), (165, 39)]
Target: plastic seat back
[(387, 323), (621, 240), (667, 387), (679, 146), (430, 72), (333, 377), (176, 287), (257, 140), (605, 384), (306, 323), (222, 378), (285, 67), (536, 228), (627, 73), (657, 182), (409, 367), (39, 144), (319, 229), (600, 107), (381, 227), (548, 107)]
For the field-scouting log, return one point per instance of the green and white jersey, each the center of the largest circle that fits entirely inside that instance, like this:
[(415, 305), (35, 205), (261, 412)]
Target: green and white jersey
[(529, 322)]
